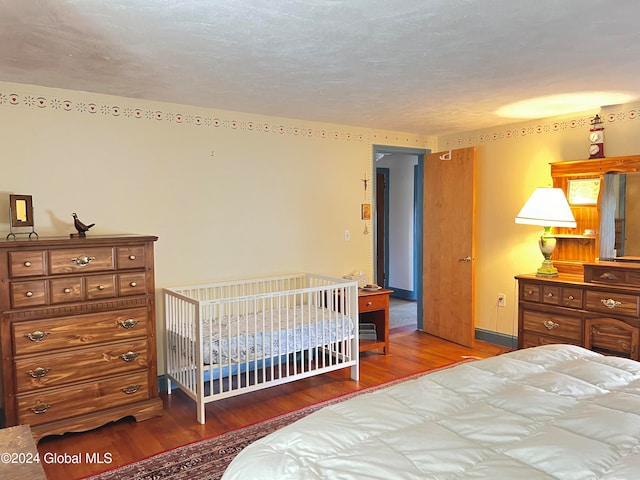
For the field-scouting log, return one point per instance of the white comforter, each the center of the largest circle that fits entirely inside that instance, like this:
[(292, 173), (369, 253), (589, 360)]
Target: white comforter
[(551, 412)]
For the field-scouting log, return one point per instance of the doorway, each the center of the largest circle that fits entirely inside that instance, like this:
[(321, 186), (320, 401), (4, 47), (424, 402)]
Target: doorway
[(398, 191)]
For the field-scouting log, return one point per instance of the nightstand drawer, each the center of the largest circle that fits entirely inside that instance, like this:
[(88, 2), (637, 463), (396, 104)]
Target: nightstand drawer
[(565, 327), (369, 303)]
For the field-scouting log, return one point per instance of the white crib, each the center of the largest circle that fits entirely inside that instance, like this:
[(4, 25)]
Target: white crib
[(229, 338)]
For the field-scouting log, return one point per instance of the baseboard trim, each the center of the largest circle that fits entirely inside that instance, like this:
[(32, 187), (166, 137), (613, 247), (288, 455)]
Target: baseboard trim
[(497, 338), (400, 293)]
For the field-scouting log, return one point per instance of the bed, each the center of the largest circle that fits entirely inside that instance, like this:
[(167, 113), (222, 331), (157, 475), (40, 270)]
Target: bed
[(550, 412), (228, 338)]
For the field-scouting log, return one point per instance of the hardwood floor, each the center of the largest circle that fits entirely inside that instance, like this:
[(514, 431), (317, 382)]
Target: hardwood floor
[(127, 441)]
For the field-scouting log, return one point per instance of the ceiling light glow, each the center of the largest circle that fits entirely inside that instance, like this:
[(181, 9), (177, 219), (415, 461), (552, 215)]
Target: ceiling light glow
[(553, 105)]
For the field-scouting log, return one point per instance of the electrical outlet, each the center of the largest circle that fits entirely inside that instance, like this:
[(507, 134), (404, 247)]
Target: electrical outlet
[(502, 300)]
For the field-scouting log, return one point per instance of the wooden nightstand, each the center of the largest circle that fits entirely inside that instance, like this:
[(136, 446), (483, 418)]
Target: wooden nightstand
[(373, 308)]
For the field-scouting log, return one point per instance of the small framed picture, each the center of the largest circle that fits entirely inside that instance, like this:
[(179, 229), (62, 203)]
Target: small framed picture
[(365, 209), (583, 191), (21, 207)]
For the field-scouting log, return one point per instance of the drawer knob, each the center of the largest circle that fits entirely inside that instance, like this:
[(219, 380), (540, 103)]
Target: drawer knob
[(37, 336), (550, 295), (129, 323), (27, 264), (38, 372), (132, 257), (133, 284), (529, 292), (40, 408), (550, 325), (100, 287), (369, 304), (82, 260), (610, 303), (67, 290), (129, 356), (571, 297), (29, 294), (131, 389)]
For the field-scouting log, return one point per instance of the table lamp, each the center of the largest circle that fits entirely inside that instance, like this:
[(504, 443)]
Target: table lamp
[(547, 207)]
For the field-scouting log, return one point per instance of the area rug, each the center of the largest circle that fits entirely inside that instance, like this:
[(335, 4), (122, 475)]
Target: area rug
[(207, 459)]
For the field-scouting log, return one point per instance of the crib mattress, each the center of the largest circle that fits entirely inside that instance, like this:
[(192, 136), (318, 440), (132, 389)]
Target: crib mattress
[(270, 334)]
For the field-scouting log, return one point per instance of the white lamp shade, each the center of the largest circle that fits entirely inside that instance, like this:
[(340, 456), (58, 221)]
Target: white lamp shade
[(547, 207)]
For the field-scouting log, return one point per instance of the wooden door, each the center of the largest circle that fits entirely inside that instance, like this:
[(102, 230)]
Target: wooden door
[(449, 245)]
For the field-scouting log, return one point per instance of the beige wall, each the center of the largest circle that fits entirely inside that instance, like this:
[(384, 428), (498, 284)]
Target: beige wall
[(234, 194), (512, 161)]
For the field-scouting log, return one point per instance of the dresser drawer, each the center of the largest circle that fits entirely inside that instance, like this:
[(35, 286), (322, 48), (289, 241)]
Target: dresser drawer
[(608, 275), (54, 370), (57, 404), (26, 264), (132, 284), (41, 336), (130, 257), (612, 303), (370, 303), (100, 286), (66, 290), (535, 340), (560, 326), (81, 260), (29, 294), (531, 292)]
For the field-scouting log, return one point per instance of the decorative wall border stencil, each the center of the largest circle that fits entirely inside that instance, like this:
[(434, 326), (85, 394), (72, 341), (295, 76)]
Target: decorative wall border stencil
[(214, 120)]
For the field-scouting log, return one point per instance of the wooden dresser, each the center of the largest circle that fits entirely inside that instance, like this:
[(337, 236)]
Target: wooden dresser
[(77, 332), (599, 311)]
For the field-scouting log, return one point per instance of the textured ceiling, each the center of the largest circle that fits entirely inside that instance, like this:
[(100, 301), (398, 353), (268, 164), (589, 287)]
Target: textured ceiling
[(422, 66)]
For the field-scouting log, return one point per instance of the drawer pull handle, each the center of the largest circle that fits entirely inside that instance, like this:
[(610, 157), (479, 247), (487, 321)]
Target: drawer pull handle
[(83, 260), (610, 303), (27, 264), (129, 356), (133, 284), (40, 408), (100, 287), (131, 389), (129, 323), (38, 372), (550, 325), (132, 257), (28, 294), (609, 276), (37, 336)]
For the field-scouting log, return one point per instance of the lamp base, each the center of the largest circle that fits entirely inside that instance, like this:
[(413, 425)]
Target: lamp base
[(547, 270)]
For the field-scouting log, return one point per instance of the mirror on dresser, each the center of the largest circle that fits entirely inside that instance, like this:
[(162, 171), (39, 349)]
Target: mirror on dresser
[(607, 228)]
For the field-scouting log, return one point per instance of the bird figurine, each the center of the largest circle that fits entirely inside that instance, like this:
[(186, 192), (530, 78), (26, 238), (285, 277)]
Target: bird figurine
[(81, 227)]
